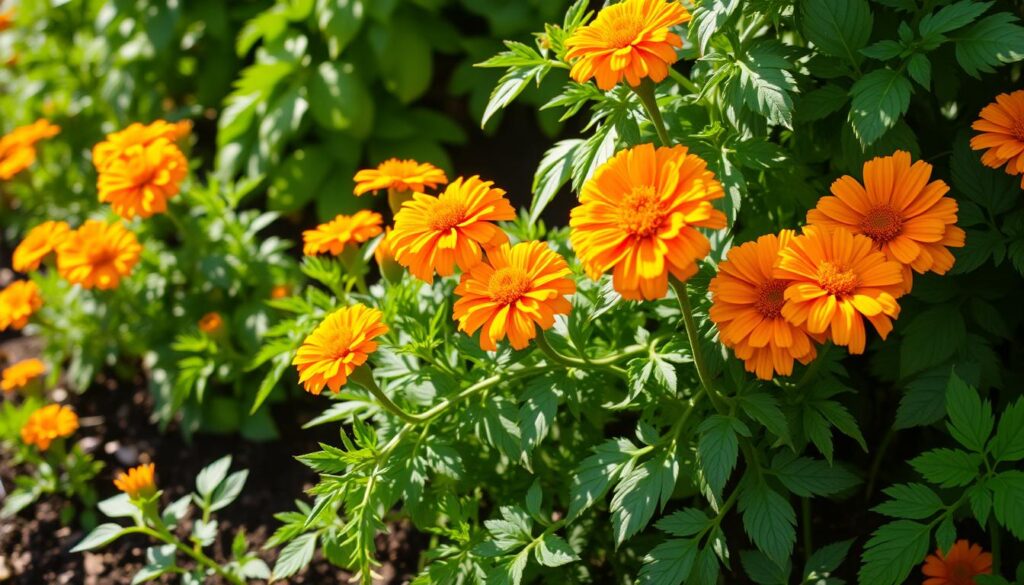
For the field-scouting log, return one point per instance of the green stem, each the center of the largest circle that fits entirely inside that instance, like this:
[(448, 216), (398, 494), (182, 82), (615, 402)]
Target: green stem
[(573, 362), (876, 464), (364, 378), (684, 81), (996, 543), (645, 91), (808, 532), (164, 535), (694, 338)]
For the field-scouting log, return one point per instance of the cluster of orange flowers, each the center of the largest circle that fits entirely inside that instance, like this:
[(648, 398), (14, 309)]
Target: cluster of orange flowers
[(17, 303), (18, 148), (48, 424), (19, 374), (96, 255), (141, 167)]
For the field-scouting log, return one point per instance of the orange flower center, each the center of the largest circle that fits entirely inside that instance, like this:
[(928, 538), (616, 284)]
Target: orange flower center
[(641, 212), (882, 224), (446, 214), (836, 279), (622, 29), (508, 285), (1018, 129), (770, 298)]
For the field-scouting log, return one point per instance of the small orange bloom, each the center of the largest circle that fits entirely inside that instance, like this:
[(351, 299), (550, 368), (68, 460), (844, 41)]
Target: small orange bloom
[(512, 292), (638, 216), (437, 233), (138, 482), (280, 291), (124, 143), (47, 424), (6, 19), (17, 149), (340, 344), (38, 243), (959, 566), (333, 236), (1002, 133), (98, 255), (747, 308), (631, 40), (211, 322), (906, 215), (838, 277), (399, 175), (18, 302), (20, 374)]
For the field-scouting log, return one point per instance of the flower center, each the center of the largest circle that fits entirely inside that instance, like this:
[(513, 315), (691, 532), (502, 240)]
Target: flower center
[(508, 285), (621, 29), (1018, 129), (770, 298), (641, 212), (961, 574), (446, 214), (837, 280), (882, 224)]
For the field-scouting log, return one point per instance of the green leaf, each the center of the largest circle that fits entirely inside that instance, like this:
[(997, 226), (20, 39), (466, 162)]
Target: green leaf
[(769, 520), (764, 408), (767, 83), (553, 173), (879, 100), (948, 467), (597, 472), (297, 180), (763, 570), (339, 21), (893, 551), (683, 523), (512, 530), (995, 40), (980, 498), (951, 18), (294, 556), (525, 64), (102, 535), (228, 490), (212, 475), (920, 69), (638, 493), (669, 563), (883, 50), (717, 450), (825, 560), (970, 418), (119, 506), (1008, 444), (838, 28), (931, 338), (806, 477), (554, 552), (709, 17), (913, 501), (340, 101), (924, 402), (1008, 501), (945, 534), (158, 560), (820, 103), (404, 58)]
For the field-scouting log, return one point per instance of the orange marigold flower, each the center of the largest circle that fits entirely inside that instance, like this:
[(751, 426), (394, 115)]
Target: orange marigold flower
[(17, 149), (6, 19), (18, 302), (340, 344), (280, 291), (20, 374), (211, 322), (512, 292), (137, 482), (906, 215), (140, 182), (399, 175), (47, 424), (630, 40), (437, 233), (747, 306), (1002, 132), (98, 255), (341, 231), (40, 241), (125, 142), (838, 277), (638, 216), (959, 566)]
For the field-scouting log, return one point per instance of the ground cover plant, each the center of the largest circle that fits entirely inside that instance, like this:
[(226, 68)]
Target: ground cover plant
[(756, 321)]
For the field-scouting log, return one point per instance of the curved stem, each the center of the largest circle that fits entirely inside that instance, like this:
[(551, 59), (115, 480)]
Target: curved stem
[(573, 362), (198, 556), (364, 378), (645, 91), (694, 338), (684, 81)]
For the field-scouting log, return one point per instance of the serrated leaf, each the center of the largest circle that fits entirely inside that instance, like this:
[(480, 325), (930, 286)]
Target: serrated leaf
[(970, 418), (638, 493), (931, 338), (717, 450), (995, 40), (920, 69), (596, 473), (763, 570), (825, 560), (893, 551), (769, 520), (764, 408), (806, 477), (951, 18), (948, 467), (767, 83), (913, 501), (837, 27), (879, 100), (669, 563), (554, 552), (294, 556), (683, 523), (552, 174), (1008, 444), (1008, 501)]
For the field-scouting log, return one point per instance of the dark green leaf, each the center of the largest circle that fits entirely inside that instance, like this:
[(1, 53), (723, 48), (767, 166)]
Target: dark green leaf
[(769, 520), (893, 551), (879, 100)]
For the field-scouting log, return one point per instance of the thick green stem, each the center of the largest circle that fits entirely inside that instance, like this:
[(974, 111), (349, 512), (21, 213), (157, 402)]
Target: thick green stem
[(645, 91), (694, 338)]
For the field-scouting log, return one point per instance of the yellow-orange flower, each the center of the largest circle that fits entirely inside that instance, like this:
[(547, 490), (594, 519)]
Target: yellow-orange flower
[(98, 255), (140, 182), (48, 424), (838, 278), (38, 243), (18, 302), (399, 175), (630, 40), (747, 306), (437, 233), (211, 322), (959, 566), (340, 344), (343, 230), (512, 292), (20, 374), (137, 482), (906, 215), (1002, 133), (18, 150), (6, 19), (638, 216), (280, 291), (125, 142)]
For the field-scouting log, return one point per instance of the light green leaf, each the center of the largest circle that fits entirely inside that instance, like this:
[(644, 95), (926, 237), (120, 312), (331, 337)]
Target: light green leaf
[(596, 473), (717, 450), (554, 552), (212, 475), (339, 99), (339, 21), (683, 523), (879, 100), (102, 535), (294, 556)]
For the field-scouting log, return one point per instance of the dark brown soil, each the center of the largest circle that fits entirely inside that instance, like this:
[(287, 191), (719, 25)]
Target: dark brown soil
[(116, 428)]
